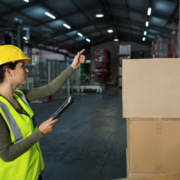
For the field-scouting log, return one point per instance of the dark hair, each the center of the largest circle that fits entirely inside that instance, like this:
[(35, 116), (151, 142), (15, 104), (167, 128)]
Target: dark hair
[(3, 69)]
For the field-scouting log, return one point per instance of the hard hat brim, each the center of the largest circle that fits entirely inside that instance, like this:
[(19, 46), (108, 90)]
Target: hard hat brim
[(25, 60)]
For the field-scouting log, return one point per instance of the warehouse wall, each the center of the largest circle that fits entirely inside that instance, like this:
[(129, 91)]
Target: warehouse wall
[(50, 55), (40, 54), (113, 48)]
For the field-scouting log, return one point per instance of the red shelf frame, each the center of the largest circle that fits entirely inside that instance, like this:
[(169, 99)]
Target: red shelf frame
[(104, 55), (171, 54)]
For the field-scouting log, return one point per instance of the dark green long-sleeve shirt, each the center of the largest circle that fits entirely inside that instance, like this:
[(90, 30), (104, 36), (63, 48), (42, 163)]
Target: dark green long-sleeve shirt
[(8, 151)]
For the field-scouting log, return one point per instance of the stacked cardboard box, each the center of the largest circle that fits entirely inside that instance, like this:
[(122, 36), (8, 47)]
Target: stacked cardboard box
[(151, 104)]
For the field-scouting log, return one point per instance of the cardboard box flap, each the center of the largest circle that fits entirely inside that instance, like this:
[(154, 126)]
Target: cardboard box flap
[(151, 88), (159, 177)]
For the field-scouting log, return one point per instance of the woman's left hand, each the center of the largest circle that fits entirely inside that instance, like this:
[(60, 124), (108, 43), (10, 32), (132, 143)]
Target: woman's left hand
[(78, 59)]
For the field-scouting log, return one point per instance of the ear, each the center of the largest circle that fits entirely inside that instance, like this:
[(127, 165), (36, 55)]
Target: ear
[(8, 72)]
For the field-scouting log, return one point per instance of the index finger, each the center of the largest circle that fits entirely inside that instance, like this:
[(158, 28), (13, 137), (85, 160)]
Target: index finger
[(54, 121), (81, 51)]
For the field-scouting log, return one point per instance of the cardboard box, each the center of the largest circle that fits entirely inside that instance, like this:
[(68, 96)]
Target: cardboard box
[(158, 177), (153, 146), (134, 175), (151, 88)]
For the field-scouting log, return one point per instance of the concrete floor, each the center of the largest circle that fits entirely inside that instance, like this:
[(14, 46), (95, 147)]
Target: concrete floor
[(89, 140)]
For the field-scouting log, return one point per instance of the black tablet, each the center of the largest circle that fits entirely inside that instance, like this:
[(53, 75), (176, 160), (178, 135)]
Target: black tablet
[(65, 105)]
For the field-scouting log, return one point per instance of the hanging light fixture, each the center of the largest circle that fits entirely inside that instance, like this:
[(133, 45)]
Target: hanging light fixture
[(110, 30), (99, 14), (116, 38), (143, 39)]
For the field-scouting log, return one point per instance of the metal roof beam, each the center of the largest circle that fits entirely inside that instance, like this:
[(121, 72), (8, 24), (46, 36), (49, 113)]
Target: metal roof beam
[(103, 7), (175, 12), (147, 42), (117, 20), (176, 1), (133, 35), (84, 34), (97, 21), (27, 5), (10, 7), (140, 31), (104, 41), (86, 16), (140, 12), (64, 16)]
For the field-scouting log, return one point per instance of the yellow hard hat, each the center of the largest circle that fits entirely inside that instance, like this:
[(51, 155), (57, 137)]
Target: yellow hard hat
[(10, 53)]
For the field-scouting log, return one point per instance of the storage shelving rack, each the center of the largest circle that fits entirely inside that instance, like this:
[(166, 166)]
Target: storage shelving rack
[(101, 70), (124, 53), (165, 48)]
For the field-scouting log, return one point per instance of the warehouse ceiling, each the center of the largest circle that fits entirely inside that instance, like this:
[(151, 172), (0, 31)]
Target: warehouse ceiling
[(127, 18)]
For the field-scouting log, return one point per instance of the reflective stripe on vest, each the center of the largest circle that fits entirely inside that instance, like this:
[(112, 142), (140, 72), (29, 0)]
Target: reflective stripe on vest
[(12, 123), (25, 101), (22, 97)]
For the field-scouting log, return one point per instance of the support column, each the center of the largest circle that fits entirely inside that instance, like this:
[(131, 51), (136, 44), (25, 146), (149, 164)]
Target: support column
[(8, 37), (20, 38), (30, 52)]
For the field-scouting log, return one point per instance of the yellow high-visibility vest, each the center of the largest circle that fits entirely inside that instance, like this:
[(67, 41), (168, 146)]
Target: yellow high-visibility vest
[(30, 164)]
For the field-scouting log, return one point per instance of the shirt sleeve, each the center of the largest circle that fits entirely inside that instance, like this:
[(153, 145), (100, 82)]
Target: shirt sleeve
[(8, 151), (49, 89)]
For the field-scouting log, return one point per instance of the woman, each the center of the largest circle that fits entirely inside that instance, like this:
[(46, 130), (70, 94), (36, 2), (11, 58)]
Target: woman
[(20, 153)]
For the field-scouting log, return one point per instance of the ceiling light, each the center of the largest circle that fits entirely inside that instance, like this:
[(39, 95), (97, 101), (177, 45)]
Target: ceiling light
[(145, 33), (80, 34), (147, 23), (25, 38), (67, 26), (110, 30), (143, 38), (50, 15), (116, 38), (99, 14), (88, 40), (26, 0), (149, 11)]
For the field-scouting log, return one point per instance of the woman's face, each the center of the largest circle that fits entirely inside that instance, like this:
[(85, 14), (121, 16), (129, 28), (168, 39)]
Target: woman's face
[(19, 74)]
